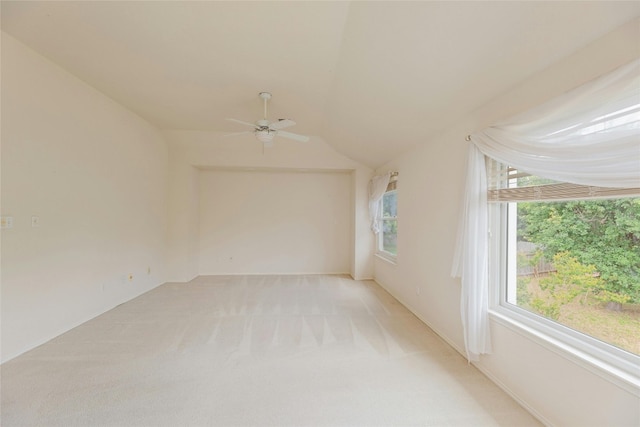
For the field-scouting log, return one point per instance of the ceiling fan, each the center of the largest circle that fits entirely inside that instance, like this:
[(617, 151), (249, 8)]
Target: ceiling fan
[(265, 130)]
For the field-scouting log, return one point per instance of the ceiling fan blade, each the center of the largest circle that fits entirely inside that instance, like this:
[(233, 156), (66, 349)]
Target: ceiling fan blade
[(294, 136), (243, 123), (236, 133), (281, 124)]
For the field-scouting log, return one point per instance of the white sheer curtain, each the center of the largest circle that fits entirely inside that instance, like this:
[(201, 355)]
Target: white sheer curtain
[(588, 136), (472, 265), (377, 187)]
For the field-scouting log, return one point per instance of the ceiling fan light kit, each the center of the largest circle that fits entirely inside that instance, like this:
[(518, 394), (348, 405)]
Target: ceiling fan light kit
[(265, 131), (265, 136)]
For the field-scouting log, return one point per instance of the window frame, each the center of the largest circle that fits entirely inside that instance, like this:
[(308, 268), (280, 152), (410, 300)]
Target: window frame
[(380, 251), (588, 351)]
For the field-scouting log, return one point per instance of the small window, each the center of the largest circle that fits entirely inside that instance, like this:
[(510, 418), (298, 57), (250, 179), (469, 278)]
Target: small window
[(388, 219)]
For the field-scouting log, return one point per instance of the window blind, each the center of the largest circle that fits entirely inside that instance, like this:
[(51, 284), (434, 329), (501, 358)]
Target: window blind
[(507, 184), (393, 182), (559, 192)]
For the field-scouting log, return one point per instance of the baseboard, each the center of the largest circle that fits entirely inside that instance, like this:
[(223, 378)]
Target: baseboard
[(174, 280), (426, 322), (81, 321), (513, 395), (360, 278), (462, 352), (288, 273)]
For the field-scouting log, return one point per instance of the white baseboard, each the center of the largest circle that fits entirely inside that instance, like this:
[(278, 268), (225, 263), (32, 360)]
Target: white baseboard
[(426, 322), (462, 352), (513, 395), (288, 273)]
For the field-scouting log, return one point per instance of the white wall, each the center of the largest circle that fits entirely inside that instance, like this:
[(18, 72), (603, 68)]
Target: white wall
[(549, 382), (183, 216), (274, 222), (194, 151), (96, 176)]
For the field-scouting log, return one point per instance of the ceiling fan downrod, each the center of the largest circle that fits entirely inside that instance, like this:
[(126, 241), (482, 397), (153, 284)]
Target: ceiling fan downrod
[(266, 96)]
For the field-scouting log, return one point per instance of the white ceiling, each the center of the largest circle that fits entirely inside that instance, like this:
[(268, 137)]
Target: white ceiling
[(371, 78)]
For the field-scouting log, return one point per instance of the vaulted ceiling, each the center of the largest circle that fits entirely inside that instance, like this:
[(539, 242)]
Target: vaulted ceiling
[(371, 78)]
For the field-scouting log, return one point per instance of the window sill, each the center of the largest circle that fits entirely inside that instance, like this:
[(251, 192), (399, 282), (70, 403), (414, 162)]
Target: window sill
[(622, 372), (387, 257)]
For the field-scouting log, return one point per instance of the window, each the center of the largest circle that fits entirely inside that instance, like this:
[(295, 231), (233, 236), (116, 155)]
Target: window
[(566, 259), (572, 255), (388, 220), (585, 136)]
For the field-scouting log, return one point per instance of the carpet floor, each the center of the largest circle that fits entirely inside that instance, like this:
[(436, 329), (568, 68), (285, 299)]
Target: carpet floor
[(253, 351)]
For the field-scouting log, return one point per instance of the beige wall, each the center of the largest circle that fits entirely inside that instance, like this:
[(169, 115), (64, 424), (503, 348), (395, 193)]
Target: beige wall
[(552, 383), (95, 174), (189, 233), (274, 222)]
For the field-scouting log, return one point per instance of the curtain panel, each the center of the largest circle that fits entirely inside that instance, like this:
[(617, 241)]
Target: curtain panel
[(377, 188), (588, 136)]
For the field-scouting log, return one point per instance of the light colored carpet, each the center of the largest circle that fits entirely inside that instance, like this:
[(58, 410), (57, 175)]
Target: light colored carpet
[(253, 350)]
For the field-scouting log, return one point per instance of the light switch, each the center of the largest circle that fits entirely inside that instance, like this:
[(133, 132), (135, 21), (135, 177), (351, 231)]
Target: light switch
[(6, 222)]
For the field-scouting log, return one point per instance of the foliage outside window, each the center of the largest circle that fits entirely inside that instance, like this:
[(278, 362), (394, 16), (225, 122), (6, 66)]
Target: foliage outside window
[(587, 140), (575, 261), (388, 236)]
